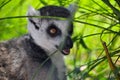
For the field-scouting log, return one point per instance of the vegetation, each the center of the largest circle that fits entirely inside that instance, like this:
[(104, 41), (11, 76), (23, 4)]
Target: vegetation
[(96, 51)]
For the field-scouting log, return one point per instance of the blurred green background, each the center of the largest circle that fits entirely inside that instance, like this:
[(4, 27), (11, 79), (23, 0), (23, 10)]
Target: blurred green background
[(95, 21)]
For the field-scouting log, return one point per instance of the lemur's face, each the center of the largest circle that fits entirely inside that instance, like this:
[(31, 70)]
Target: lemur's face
[(49, 33)]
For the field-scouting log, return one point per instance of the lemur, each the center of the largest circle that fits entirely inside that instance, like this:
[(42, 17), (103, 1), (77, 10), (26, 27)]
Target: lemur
[(38, 55)]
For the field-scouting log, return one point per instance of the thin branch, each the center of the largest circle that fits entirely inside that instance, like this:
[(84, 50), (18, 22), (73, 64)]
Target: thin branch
[(5, 4), (14, 17), (100, 5), (111, 64), (38, 69), (118, 2), (116, 11), (43, 2), (97, 26)]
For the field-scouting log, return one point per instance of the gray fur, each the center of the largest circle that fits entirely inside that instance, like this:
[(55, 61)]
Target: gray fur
[(15, 64), (37, 55)]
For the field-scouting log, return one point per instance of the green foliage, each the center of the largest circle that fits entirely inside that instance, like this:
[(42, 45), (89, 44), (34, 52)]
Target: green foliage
[(94, 20)]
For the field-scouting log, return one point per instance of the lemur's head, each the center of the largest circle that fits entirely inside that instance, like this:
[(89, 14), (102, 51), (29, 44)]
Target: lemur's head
[(51, 32)]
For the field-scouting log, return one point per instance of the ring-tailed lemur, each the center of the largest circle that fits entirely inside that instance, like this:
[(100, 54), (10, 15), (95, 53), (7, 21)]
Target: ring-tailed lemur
[(39, 54)]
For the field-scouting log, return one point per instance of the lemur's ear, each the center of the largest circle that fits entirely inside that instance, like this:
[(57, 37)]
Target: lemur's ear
[(33, 16), (72, 8), (32, 12)]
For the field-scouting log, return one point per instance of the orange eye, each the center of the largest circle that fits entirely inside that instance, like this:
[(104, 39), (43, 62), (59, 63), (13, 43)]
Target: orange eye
[(53, 31)]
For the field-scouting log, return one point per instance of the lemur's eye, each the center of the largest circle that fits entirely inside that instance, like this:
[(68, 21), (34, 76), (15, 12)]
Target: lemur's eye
[(53, 30)]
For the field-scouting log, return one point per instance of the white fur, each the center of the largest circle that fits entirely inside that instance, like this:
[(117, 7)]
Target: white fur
[(42, 39)]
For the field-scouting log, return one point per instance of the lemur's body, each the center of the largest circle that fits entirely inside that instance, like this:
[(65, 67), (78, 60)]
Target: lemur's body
[(15, 64), (39, 54)]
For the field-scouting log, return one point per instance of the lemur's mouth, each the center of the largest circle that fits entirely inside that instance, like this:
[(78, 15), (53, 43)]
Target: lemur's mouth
[(68, 44), (66, 51)]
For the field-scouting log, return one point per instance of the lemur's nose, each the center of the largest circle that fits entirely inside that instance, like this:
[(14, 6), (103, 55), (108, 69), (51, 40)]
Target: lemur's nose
[(68, 42)]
